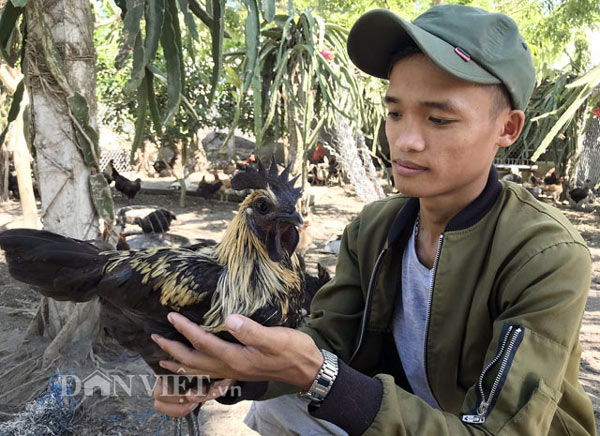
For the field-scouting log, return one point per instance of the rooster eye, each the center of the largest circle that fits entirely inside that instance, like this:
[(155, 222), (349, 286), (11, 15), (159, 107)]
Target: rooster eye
[(262, 205)]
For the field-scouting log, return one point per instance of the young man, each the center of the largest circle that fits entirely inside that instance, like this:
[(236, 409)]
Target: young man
[(456, 306)]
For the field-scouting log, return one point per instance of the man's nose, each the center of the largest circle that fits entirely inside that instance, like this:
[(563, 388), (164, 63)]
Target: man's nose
[(409, 138)]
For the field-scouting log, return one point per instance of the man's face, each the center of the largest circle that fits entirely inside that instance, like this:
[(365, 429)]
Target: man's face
[(441, 132)]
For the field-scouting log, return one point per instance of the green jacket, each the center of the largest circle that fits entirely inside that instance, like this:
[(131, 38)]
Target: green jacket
[(511, 280)]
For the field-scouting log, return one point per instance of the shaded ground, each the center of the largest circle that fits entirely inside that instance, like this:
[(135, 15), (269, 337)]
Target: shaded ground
[(133, 415)]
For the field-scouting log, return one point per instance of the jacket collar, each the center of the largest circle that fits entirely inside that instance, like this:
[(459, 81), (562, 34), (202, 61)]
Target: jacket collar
[(467, 217)]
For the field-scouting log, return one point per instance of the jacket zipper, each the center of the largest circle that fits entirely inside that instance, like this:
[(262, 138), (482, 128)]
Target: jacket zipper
[(430, 301), (368, 303), (505, 352)]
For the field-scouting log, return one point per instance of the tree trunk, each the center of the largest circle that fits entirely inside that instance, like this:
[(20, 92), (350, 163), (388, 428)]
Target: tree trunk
[(64, 177), (22, 159)]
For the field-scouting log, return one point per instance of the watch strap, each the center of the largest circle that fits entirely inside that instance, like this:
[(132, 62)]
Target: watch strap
[(324, 380)]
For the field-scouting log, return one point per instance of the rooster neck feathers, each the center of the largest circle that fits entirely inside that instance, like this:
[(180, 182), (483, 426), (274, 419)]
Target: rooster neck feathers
[(250, 280)]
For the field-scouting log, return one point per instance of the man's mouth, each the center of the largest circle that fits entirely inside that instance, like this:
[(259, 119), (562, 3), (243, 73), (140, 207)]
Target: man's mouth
[(408, 168)]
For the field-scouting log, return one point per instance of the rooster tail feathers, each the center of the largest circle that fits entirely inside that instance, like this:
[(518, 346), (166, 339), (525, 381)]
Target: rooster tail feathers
[(63, 268)]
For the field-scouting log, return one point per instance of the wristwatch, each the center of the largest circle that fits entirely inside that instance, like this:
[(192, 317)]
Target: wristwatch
[(323, 381)]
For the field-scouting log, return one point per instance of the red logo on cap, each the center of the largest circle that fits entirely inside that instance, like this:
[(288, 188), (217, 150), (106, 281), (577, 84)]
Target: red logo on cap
[(463, 54)]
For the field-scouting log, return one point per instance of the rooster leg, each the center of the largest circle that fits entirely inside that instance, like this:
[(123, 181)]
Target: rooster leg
[(192, 420), (178, 422)]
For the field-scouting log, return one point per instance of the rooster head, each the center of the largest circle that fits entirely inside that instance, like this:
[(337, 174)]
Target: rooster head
[(270, 210)]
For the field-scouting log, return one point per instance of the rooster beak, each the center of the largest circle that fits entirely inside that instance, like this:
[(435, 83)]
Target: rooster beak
[(293, 218)]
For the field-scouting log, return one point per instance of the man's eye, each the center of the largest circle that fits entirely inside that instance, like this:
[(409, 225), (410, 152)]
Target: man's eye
[(439, 121), (393, 115)]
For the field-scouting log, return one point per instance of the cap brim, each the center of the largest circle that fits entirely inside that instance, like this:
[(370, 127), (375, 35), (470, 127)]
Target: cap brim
[(379, 34)]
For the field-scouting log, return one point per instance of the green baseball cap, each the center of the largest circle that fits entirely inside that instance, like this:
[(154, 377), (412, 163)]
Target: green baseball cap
[(467, 42)]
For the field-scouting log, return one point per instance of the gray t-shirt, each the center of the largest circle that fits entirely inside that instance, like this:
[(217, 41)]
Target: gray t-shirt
[(410, 321)]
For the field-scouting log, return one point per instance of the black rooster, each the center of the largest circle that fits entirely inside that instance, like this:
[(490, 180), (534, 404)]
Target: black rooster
[(208, 189), (580, 194), (123, 184), (253, 271), (158, 221)]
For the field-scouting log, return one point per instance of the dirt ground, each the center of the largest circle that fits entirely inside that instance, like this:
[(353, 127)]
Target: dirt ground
[(332, 209)]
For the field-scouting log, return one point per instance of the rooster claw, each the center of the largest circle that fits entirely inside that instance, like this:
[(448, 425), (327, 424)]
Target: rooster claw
[(192, 421)]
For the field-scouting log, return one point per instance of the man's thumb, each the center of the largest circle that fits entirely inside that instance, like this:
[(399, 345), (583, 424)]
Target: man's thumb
[(234, 323), (245, 330)]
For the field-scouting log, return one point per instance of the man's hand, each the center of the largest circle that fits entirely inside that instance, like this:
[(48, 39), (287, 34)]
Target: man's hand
[(165, 401), (265, 353)]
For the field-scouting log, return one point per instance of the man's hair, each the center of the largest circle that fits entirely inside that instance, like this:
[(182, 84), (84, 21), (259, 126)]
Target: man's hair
[(499, 93)]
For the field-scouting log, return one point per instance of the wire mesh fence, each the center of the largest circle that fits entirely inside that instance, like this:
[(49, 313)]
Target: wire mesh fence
[(120, 160)]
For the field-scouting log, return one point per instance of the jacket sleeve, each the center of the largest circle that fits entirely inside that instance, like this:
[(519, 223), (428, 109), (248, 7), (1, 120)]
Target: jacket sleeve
[(534, 345)]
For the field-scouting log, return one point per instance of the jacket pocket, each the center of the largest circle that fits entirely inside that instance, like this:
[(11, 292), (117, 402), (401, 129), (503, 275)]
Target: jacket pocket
[(510, 339), (536, 414)]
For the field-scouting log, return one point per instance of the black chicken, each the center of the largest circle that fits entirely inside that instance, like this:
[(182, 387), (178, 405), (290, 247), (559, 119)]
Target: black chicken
[(208, 189), (253, 271), (580, 194), (161, 166), (313, 284), (123, 184), (158, 221)]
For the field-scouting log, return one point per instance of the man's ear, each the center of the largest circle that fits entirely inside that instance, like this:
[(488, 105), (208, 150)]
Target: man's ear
[(512, 127)]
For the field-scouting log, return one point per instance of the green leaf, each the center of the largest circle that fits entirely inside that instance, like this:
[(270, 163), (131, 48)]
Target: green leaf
[(8, 21), (15, 107), (169, 40), (154, 22), (19, 3), (154, 112), (142, 100), (102, 198), (217, 31), (252, 43), (87, 137), (268, 9), (281, 68), (131, 22), (137, 70), (189, 19), (257, 108)]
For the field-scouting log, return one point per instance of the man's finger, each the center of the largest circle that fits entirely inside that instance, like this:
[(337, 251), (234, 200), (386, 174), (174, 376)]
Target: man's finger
[(174, 410), (202, 340), (181, 352), (249, 332), (203, 368)]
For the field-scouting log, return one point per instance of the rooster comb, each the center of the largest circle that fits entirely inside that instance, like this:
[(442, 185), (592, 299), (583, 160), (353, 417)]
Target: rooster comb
[(250, 178)]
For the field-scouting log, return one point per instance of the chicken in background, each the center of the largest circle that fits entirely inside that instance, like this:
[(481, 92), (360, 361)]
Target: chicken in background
[(158, 221), (241, 164), (578, 196), (226, 191), (514, 175), (162, 167), (208, 189), (534, 185), (553, 190), (123, 184), (550, 177), (305, 232), (253, 271)]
